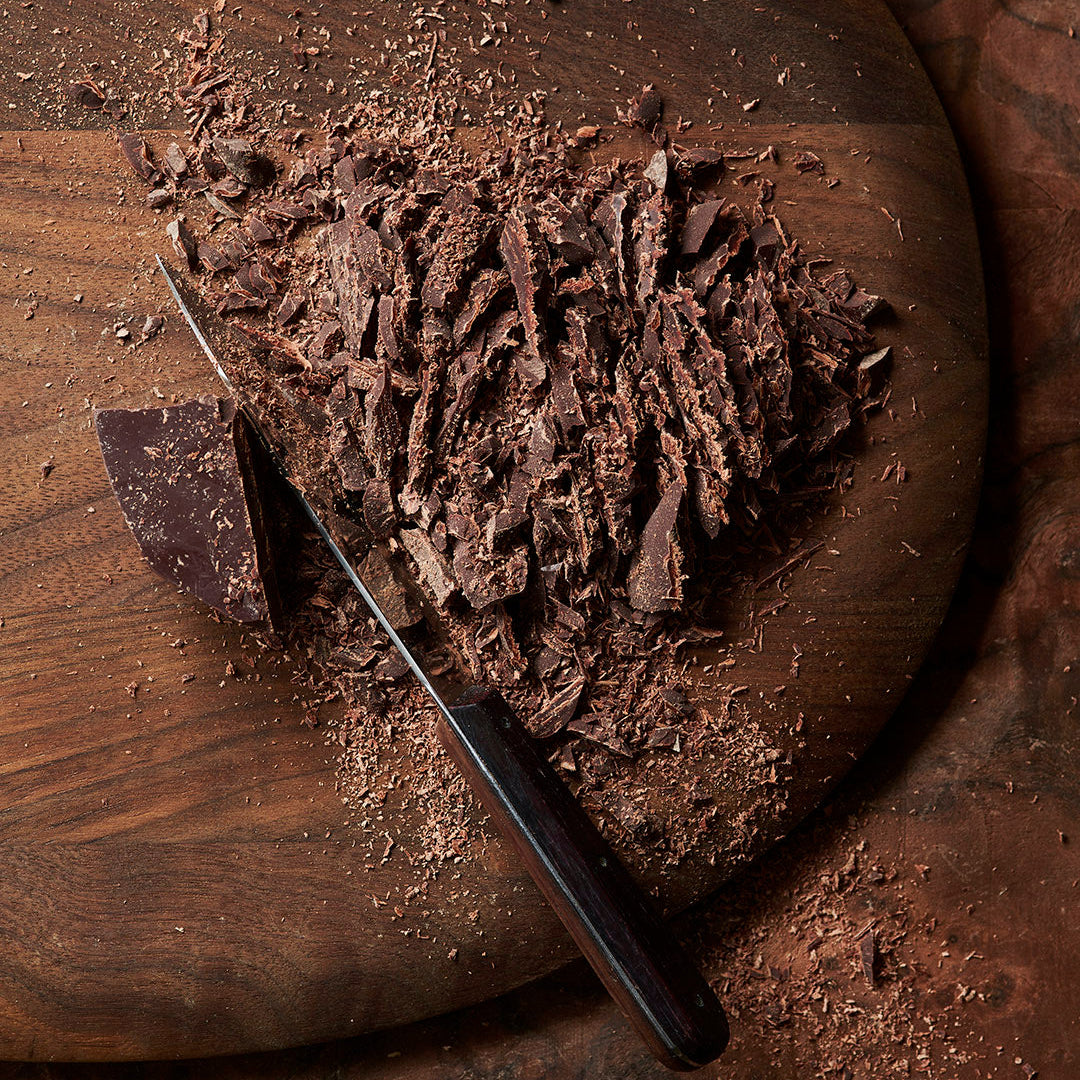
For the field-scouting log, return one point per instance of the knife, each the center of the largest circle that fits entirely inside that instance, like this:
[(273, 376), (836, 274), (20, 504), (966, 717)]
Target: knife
[(612, 922)]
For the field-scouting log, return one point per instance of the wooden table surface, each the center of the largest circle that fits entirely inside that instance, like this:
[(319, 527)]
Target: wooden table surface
[(971, 793), (180, 875)]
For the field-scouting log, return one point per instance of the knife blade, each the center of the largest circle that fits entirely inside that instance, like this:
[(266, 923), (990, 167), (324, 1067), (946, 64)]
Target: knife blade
[(631, 949)]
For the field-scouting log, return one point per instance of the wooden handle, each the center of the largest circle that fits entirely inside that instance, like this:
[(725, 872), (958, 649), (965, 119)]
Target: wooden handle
[(629, 947)]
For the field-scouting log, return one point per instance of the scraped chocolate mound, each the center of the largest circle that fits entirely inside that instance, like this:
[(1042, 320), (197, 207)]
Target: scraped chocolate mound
[(563, 388), (547, 393), (554, 407), (183, 477)]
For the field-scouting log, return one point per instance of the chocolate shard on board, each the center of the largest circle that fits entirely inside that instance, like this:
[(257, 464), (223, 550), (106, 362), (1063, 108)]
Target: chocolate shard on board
[(525, 256), (431, 567), (183, 242), (184, 479), (460, 247), (647, 110), (138, 155), (655, 579), (243, 162), (699, 223)]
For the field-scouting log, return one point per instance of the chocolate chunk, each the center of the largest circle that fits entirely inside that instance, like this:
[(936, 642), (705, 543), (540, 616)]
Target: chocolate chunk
[(87, 94), (183, 242), (486, 581), (182, 476), (138, 155), (865, 307), (868, 956), (647, 110), (431, 567), (260, 232), (558, 710), (382, 432), (566, 232), (459, 249), (213, 258), (379, 513), (525, 257), (655, 579), (240, 159), (289, 308), (650, 246), (806, 162), (699, 223), (175, 162), (694, 166), (377, 574), (657, 170), (766, 240), (483, 291)]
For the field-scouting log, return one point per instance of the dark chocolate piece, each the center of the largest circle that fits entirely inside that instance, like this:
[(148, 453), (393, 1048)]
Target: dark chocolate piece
[(699, 223), (240, 159), (87, 94), (181, 474), (460, 246), (138, 155), (526, 261), (183, 242), (655, 579), (807, 162), (647, 110)]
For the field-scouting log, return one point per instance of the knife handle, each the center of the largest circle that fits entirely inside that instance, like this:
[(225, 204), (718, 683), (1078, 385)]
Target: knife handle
[(610, 919)]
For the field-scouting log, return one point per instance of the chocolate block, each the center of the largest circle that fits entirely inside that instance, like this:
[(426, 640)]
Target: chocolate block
[(184, 479)]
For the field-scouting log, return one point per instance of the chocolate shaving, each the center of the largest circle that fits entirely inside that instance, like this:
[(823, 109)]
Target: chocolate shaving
[(654, 582), (138, 155)]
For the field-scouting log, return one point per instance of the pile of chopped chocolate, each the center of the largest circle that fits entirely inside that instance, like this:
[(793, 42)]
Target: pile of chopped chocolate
[(547, 395), (557, 388)]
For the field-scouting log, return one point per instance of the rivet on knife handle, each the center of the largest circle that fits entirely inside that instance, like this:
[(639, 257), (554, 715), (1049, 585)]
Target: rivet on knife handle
[(612, 922)]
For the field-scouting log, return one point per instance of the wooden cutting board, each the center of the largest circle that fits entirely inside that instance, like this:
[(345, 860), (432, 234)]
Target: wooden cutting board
[(178, 875)]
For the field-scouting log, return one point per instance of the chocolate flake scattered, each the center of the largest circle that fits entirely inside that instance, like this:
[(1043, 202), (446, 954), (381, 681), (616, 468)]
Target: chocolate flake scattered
[(807, 162), (87, 94)]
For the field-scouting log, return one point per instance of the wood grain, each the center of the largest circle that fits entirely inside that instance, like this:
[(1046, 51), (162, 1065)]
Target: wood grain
[(179, 874)]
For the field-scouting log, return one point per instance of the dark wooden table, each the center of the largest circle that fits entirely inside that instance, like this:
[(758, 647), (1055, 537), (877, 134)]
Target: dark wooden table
[(953, 840)]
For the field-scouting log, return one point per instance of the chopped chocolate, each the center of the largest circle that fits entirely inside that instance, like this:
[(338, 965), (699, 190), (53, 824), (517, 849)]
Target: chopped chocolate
[(525, 256), (183, 242), (654, 582), (456, 257), (138, 155), (657, 170), (807, 162), (240, 159), (556, 402), (699, 223), (699, 164), (175, 162), (289, 308), (431, 567), (87, 94), (647, 110)]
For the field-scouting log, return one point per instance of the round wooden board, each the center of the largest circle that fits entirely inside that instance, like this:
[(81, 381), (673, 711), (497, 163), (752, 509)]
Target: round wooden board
[(179, 874)]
